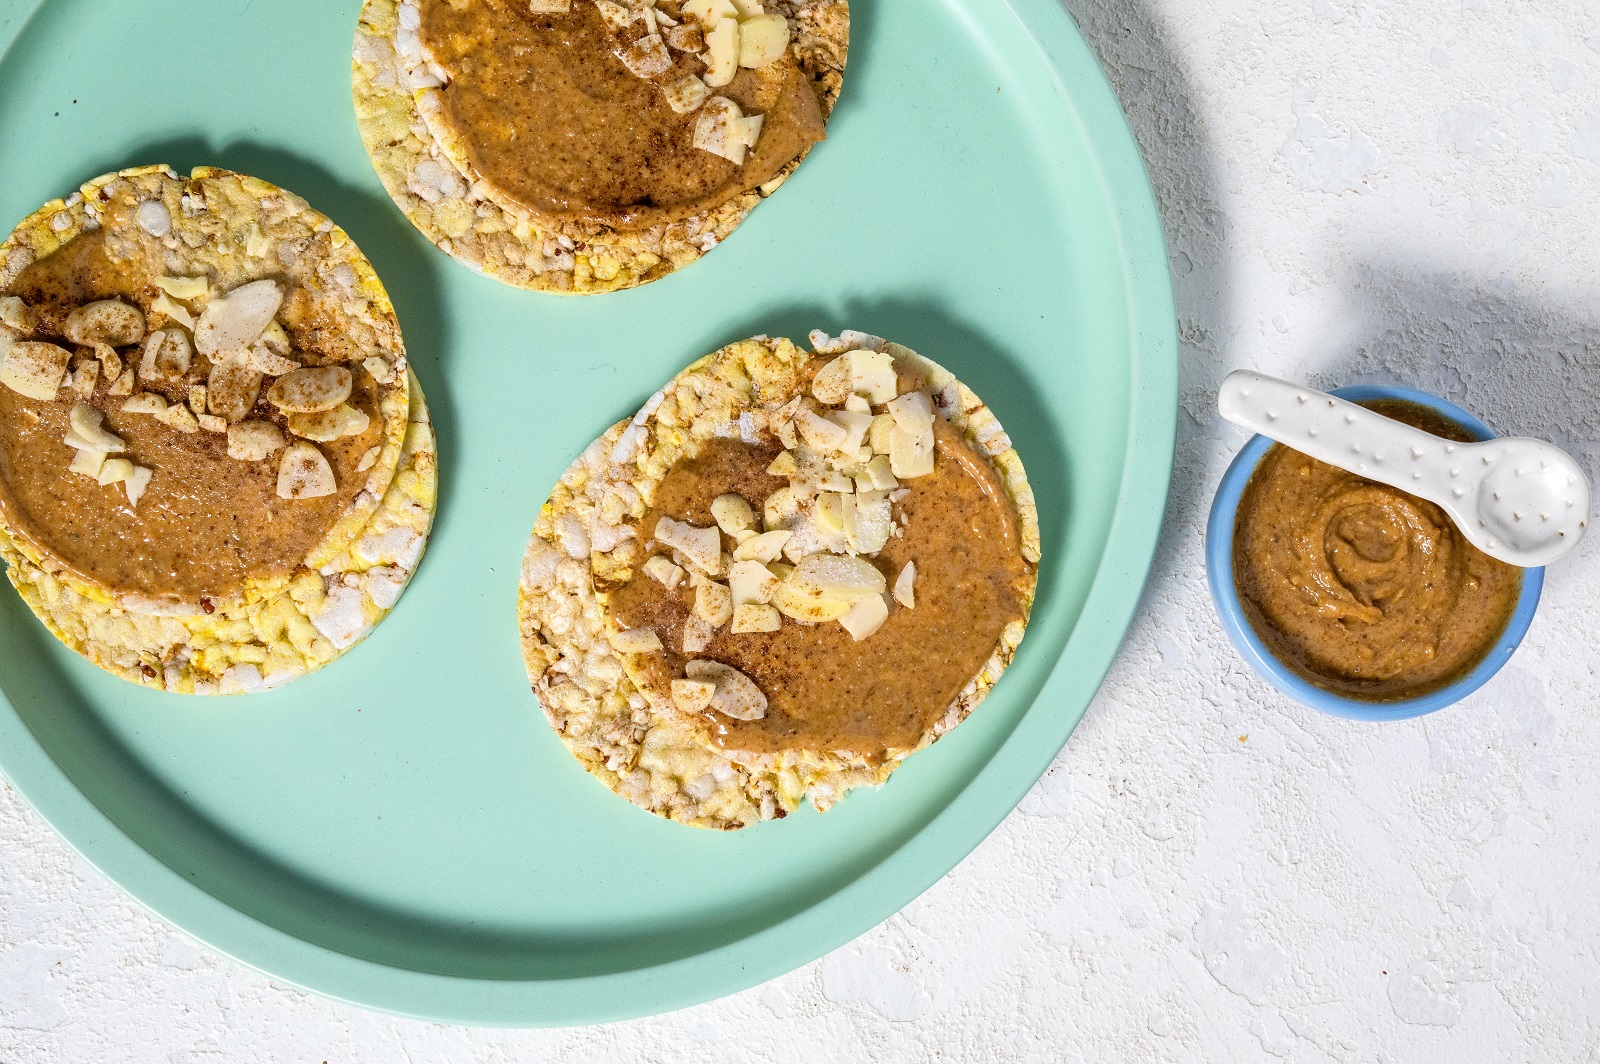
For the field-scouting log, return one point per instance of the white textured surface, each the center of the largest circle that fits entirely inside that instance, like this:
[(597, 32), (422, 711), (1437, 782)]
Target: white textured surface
[(1354, 189)]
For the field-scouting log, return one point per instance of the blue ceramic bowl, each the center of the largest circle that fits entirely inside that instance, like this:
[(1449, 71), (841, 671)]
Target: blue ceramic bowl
[(1225, 591)]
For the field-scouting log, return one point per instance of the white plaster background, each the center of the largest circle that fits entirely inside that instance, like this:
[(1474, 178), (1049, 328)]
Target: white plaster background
[(1353, 190)]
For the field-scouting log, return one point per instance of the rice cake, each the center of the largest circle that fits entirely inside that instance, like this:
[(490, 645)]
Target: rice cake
[(716, 610), (437, 127), (231, 414)]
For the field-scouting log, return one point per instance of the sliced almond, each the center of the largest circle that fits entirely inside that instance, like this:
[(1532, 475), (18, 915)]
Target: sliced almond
[(369, 459), (685, 94), (179, 417), (328, 425), (766, 547), (616, 15), (664, 572), (688, 37), (382, 369), (910, 456), (748, 8), (857, 403), (713, 603), (84, 378), (830, 511), (747, 130), (722, 53), (878, 435), (550, 7), (212, 423), (732, 513), (881, 473), (784, 465), (17, 315), (692, 696), (274, 339), (254, 441), (167, 355), (819, 432), (123, 384), (114, 471), (263, 360), (701, 546), (646, 57), (837, 576), (736, 695), (196, 395), (905, 591), (86, 425), (855, 425), (256, 244), (868, 523), (780, 510), (145, 403), (754, 617), (912, 412), (714, 130), (34, 368), (87, 463), (709, 12), (110, 361), (136, 482), (762, 40), (311, 391), (184, 287), (751, 582), (176, 312), (831, 383), (873, 375), (303, 473), (232, 388), (105, 321), (697, 634), (234, 321), (865, 617), (636, 641)]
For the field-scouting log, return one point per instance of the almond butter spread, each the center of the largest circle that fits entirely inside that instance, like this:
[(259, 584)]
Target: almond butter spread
[(1359, 587), (826, 690), (551, 118), (206, 522)]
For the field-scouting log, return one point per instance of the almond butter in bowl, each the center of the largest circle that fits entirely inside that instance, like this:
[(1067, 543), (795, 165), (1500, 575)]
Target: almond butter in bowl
[(790, 571), (590, 145), (216, 472)]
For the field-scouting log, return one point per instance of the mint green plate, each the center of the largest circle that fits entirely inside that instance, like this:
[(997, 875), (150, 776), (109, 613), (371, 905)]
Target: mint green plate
[(402, 830)]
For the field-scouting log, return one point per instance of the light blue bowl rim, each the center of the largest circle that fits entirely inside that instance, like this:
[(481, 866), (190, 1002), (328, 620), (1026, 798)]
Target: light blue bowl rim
[(1225, 593)]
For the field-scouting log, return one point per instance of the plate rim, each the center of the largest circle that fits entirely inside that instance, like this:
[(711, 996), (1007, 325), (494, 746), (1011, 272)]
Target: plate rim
[(1020, 761)]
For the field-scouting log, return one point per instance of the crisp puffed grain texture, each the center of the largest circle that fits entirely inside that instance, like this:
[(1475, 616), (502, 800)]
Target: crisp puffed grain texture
[(462, 216), (587, 540)]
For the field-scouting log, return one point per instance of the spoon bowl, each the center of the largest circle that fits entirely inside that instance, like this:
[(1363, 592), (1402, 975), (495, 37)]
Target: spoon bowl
[(1523, 501)]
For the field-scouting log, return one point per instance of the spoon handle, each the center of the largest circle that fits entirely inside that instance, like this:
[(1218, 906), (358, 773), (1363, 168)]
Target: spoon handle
[(1340, 433)]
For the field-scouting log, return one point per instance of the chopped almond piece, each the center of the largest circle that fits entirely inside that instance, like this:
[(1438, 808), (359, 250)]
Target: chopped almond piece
[(311, 391), (752, 617), (762, 40), (233, 388), (688, 37), (709, 12), (183, 287), (701, 546), (86, 426), (855, 425), (549, 7), (692, 696), (231, 323), (784, 465), (212, 423), (84, 377), (867, 521), (736, 696), (179, 417), (697, 634), (619, 17), (175, 312), (646, 57), (857, 403), (253, 441), (819, 432), (687, 93), (123, 384), (910, 456), (780, 509), (830, 511), (767, 547), (905, 586), (303, 473), (751, 582), (865, 617), (664, 572), (145, 403), (88, 463), (732, 513), (343, 420), (114, 471), (110, 361), (167, 355), (135, 484), (197, 398), (713, 603), (34, 369), (878, 435), (881, 473), (636, 641), (105, 321), (913, 413), (722, 53)]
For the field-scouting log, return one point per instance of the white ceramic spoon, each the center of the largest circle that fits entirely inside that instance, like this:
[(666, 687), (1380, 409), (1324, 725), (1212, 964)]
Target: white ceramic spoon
[(1523, 501)]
